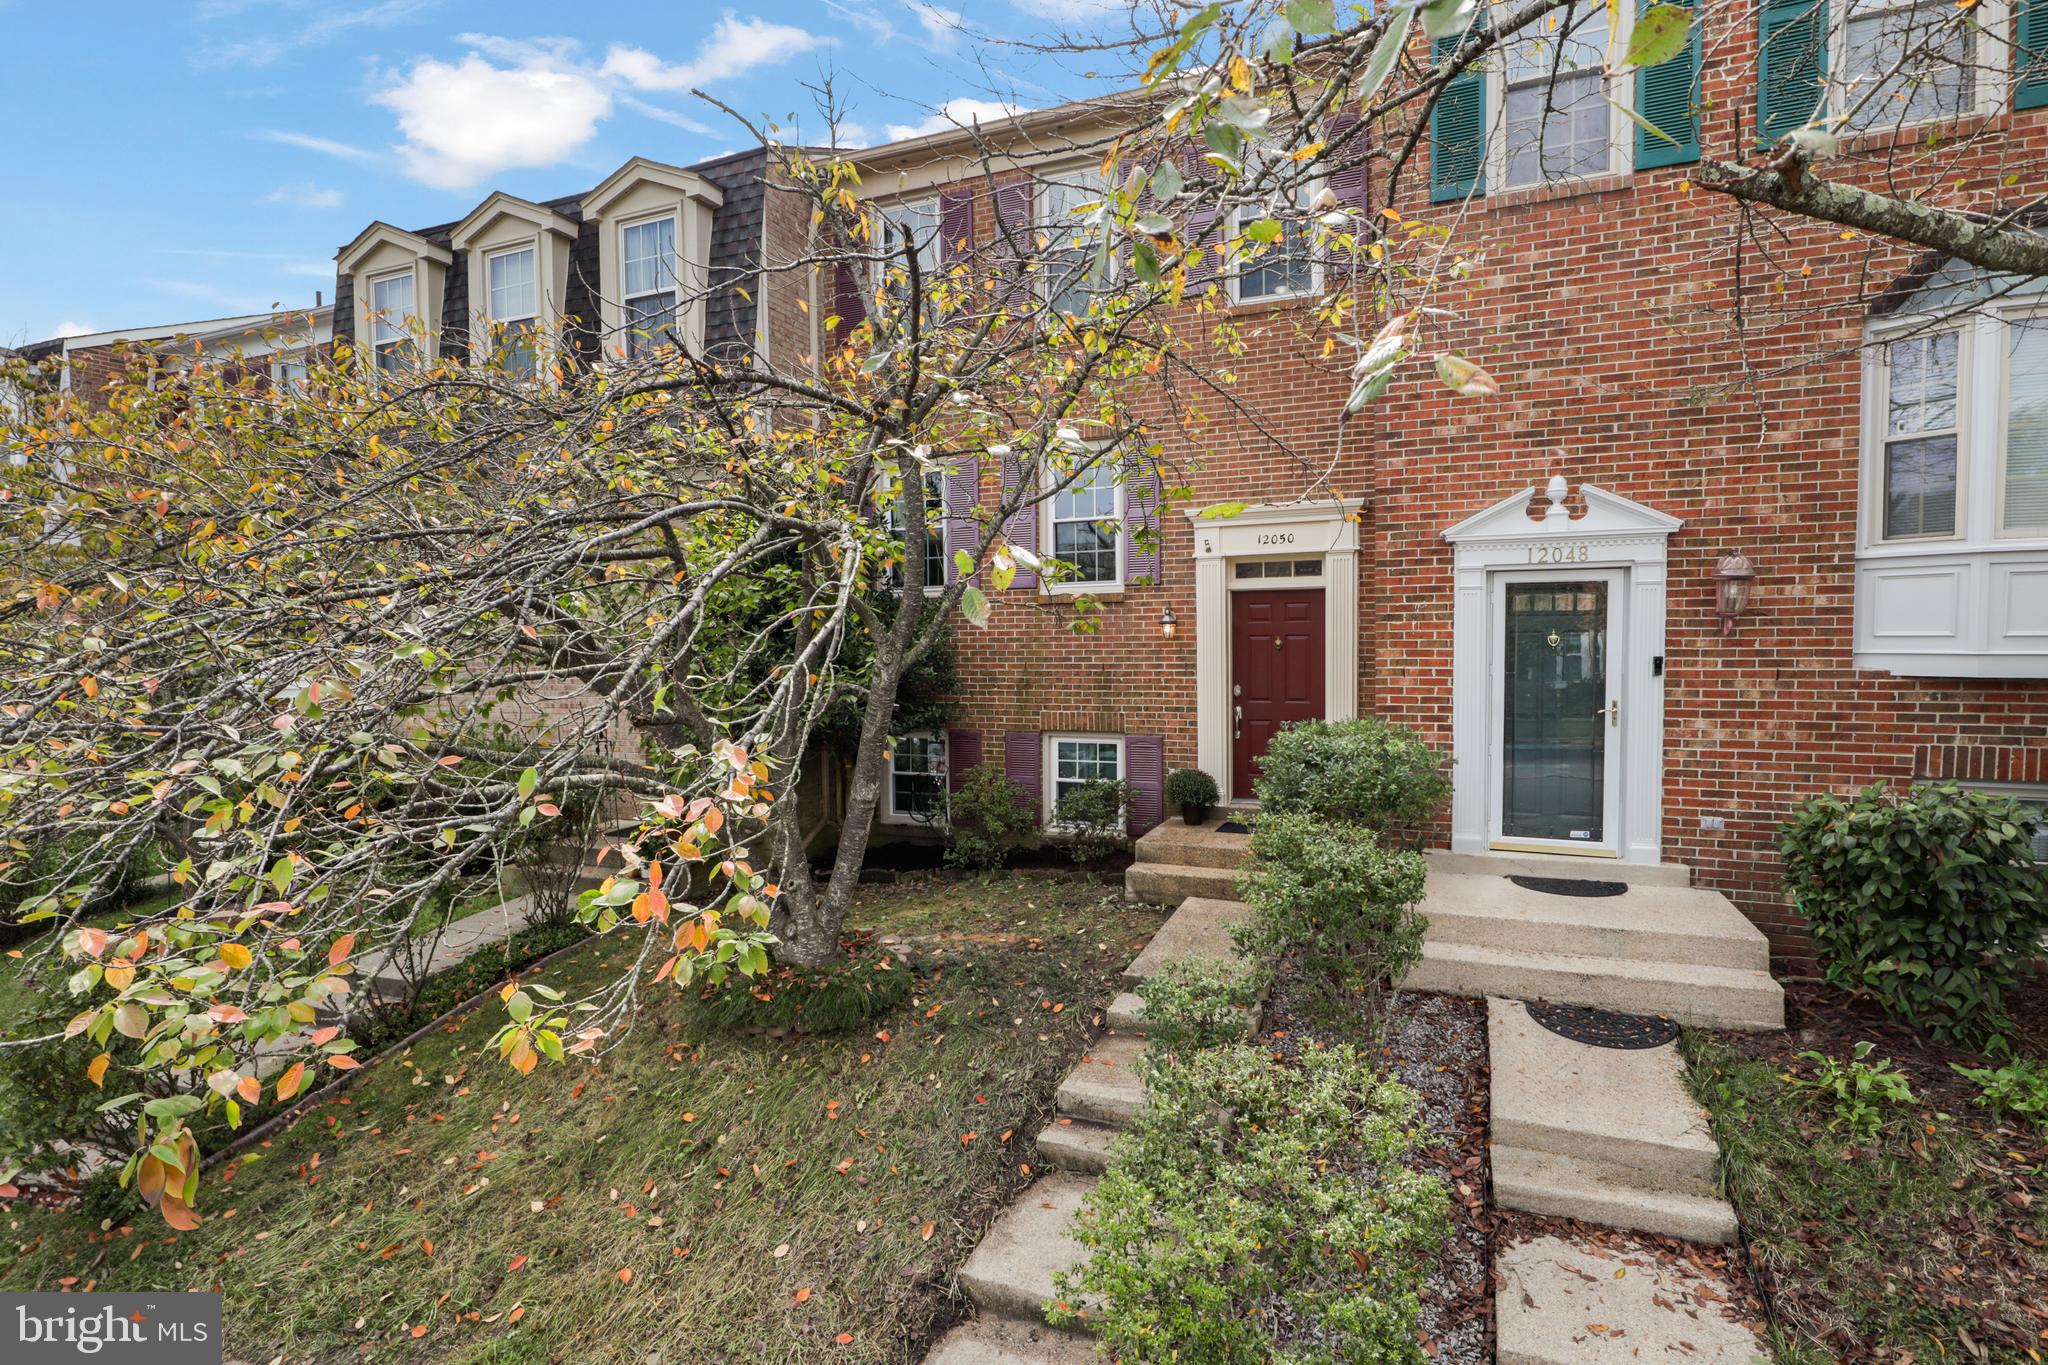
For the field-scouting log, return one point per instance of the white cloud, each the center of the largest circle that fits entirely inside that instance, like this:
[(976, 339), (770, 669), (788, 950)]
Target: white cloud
[(466, 122), (863, 16), (960, 113), (68, 328), (941, 25), (326, 146), (268, 49), (306, 195), (734, 47)]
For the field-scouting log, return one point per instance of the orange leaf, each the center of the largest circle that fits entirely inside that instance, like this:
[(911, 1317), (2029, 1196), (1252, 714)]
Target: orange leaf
[(427, 1247), (419, 1331), (803, 1295), (844, 1338), (96, 1069), (926, 1233), (250, 1089), (322, 1036), (626, 1275), (341, 1063), (343, 946), (517, 1261), (518, 1312), (288, 1084), (179, 1214)]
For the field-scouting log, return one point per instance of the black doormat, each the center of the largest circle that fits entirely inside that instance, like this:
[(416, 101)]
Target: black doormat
[(1604, 1028), (1569, 886), (1233, 827)]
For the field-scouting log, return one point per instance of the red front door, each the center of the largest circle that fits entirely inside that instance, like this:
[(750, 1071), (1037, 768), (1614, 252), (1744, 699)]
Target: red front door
[(1276, 672)]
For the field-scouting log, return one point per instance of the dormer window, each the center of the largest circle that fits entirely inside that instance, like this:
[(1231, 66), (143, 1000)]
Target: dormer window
[(648, 252), (654, 255), (518, 274), (397, 279), (394, 319), (514, 306)]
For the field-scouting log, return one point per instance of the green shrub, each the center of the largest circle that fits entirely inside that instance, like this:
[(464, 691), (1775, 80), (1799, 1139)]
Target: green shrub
[(827, 999), (1094, 818), (1926, 902), (1295, 1231), (2018, 1088), (1338, 903), (988, 820), (1858, 1090), (1190, 787), (1360, 771), (1193, 1003)]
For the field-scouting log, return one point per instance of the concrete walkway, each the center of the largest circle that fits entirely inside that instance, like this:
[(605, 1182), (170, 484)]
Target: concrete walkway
[(1009, 1275)]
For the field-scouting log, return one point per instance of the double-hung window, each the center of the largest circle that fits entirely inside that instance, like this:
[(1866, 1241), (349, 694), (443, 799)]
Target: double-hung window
[(917, 779), (903, 229), (647, 251), (1897, 63), (1070, 234), (1085, 525), (2023, 462), (1556, 122), (393, 317), (1078, 760), (514, 306), (1282, 269), (1920, 460), (934, 529), (288, 372)]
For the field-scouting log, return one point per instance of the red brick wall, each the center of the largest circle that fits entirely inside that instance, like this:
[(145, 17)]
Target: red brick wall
[(1644, 341)]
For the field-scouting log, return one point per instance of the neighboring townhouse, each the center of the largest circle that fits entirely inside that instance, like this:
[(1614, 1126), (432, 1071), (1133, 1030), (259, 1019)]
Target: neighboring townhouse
[(276, 345), (1731, 533)]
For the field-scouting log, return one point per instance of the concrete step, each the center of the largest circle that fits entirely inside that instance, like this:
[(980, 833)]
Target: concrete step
[(1200, 928), (1647, 923), (1077, 1145), (1561, 1304), (1105, 1086), (1126, 1013), (1624, 1113), (1168, 883), (1561, 865), (1544, 1182), (1713, 997), (1010, 1272), (990, 1340), (1202, 846)]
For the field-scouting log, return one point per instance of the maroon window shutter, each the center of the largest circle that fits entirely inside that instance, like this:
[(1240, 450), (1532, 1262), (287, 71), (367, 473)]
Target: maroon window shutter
[(956, 226), (962, 496), (1145, 770), (848, 303), (1344, 169), (1014, 244), (963, 751), (1023, 760), (1141, 514), (1021, 529)]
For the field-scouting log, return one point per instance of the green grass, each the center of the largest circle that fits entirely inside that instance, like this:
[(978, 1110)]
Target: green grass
[(727, 1173), (1911, 1247)]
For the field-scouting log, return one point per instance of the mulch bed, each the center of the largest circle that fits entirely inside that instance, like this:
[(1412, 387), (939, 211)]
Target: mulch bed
[(1436, 1045)]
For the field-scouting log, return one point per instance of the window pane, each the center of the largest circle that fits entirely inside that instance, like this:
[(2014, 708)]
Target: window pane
[(1557, 128), (391, 308), (1920, 487), (648, 251), (648, 321), (1923, 384), (1076, 761), (1903, 65), (2026, 426), (512, 286), (1084, 529), (919, 221), (918, 776)]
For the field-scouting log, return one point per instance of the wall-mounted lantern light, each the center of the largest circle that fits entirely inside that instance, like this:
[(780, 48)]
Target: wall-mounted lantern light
[(1733, 579), (1168, 623)]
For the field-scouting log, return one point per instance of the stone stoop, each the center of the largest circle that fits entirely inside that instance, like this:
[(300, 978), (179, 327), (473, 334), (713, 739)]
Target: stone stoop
[(1200, 928), (1176, 860), (1658, 948), (1607, 1135)]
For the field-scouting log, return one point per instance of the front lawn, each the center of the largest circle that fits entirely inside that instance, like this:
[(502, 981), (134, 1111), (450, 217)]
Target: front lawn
[(1928, 1243), (702, 1195)]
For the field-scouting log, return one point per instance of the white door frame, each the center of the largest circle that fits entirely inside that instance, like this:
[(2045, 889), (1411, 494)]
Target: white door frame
[(1613, 533), (1327, 529), (1609, 843)]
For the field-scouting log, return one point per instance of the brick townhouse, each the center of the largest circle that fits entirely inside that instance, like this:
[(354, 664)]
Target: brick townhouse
[(276, 346), (1536, 581)]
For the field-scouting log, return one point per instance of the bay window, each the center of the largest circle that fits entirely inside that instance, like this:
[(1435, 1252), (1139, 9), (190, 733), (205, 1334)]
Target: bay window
[(1920, 436)]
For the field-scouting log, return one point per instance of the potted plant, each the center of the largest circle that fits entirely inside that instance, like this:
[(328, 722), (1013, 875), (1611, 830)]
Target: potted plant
[(1193, 790)]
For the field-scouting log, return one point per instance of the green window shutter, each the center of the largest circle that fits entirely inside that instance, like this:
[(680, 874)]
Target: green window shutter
[(1668, 97), (1792, 65), (2030, 30), (1457, 131)]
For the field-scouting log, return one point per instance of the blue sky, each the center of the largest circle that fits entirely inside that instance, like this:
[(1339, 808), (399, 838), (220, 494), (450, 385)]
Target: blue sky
[(174, 160)]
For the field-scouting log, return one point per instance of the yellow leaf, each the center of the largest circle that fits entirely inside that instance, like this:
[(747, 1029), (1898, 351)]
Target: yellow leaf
[(236, 956), (96, 1069)]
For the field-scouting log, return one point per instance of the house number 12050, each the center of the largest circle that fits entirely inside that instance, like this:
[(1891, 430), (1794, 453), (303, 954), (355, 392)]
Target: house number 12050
[(1276, 537), (1560, 554)]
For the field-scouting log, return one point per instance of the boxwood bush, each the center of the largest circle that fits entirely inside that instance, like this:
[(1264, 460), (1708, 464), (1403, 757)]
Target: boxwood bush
[(1193, 1003), (1927, 901), (1338, 903), (1360, 771)]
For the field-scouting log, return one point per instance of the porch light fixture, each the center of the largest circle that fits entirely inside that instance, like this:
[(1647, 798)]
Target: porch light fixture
[(1734, 578), (1168, 623)]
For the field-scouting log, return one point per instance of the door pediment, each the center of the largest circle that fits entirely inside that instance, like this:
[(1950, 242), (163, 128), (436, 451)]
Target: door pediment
[(1608, 516)]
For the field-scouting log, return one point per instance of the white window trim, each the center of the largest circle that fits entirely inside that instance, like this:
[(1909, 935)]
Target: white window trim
[(281, 359), (1876, 415), (1318, 579), (938, 532), (1043, 180), (2031, 310), (1986, 71), (891, 815), (1098, 587), (884, 248), (533, 319), (1620, 92), (679, 303), (409, 326), (1234, 272), (1049, 759)]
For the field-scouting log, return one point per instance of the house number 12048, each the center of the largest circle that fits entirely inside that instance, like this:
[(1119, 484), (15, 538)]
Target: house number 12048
[(1560, 554)]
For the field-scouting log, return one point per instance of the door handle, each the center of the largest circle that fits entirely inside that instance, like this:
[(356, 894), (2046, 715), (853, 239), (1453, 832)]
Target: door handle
[(1613, 713), (1236, 720)]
